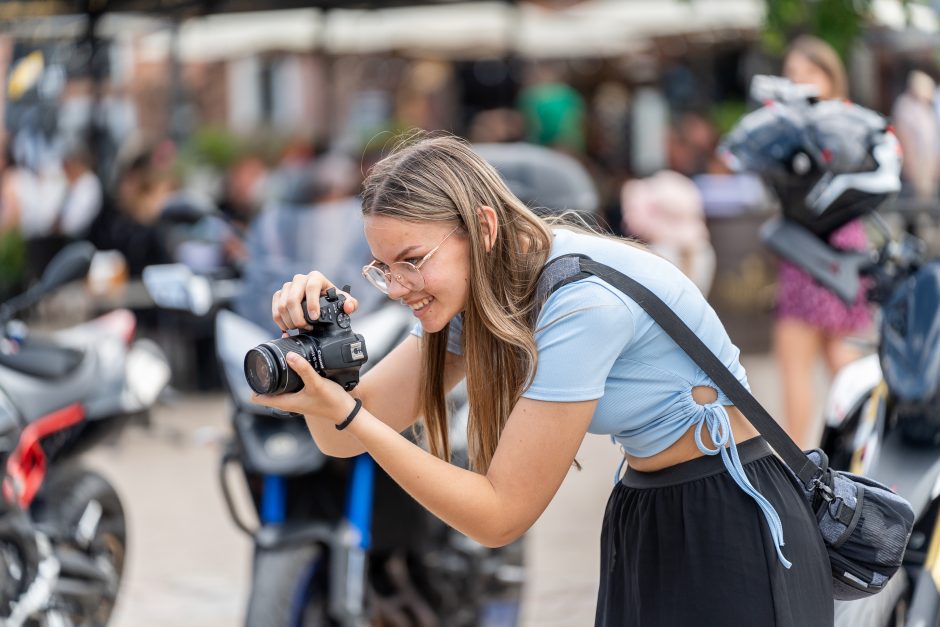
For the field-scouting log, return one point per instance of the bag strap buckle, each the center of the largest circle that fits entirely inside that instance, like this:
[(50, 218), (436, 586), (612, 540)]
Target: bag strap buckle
[(818, 486), (843, 513)]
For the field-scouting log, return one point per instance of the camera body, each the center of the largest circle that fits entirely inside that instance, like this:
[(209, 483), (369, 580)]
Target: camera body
[(332, 348)]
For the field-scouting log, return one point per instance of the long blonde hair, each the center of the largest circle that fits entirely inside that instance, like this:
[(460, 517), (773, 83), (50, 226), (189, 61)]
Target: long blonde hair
[(824, 57), (441, 179)]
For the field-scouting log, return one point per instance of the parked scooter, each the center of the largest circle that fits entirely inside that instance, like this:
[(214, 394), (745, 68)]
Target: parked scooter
[(63, 536), (881, 414), (388, 559), (831, 162), (337, 542)]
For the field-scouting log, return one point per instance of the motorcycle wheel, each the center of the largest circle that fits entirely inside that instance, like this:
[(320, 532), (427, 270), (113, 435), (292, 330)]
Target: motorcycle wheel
[(288, 588), (64, 501), (18, 559), (888, 608)]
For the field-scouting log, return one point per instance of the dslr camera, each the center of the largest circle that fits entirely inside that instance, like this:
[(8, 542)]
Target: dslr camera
[(332, 348)]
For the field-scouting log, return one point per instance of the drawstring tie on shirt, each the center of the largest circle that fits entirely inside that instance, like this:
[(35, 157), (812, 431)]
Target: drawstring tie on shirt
[(719, 428)]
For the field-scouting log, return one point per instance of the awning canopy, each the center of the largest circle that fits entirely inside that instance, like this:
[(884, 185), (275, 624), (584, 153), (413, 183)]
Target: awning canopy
[(10, 9), (448, 29), (532, 28)]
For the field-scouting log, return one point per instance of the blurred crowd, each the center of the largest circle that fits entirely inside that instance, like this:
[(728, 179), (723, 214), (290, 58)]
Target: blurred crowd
[(278, 203), (54, 188)]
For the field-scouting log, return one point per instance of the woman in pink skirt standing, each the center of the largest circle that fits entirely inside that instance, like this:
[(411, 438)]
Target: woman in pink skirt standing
[(811, 320)]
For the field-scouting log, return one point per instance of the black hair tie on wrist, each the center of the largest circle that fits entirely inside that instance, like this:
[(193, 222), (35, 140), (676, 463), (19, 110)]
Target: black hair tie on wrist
[(349, 418)]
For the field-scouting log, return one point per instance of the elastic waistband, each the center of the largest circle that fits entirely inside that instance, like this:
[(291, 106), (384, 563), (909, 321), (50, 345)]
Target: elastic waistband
[(697, 468)]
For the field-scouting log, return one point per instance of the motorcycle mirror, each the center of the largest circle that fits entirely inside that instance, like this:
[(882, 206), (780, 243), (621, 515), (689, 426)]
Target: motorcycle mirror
[(175, 286), (70, 263)]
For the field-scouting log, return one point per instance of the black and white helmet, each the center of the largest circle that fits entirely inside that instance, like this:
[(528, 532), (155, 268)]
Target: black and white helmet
[(829, 161)]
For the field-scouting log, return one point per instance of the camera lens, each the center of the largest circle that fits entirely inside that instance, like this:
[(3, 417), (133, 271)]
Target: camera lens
[(261, 370), (266, 366)]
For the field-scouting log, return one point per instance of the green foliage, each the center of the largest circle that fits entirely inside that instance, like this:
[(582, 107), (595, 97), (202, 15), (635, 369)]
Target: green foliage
[(838, 22), (219, 149), (12, 260), (214, 146), (727, 113)]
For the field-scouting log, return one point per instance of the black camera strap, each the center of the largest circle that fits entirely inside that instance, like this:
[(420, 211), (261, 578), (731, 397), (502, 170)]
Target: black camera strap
[(569, 268)]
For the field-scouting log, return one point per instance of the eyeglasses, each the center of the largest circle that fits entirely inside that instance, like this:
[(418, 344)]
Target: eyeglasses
[(407, 274)]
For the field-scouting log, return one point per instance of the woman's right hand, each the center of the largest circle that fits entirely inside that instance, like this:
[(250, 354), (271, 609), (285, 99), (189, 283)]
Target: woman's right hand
[(287, 304)]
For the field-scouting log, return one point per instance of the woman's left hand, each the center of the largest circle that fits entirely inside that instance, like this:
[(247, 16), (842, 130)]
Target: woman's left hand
[(320, 398)]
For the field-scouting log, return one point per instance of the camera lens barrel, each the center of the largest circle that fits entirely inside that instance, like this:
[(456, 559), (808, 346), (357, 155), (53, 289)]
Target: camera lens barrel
[(266, 366), (261, 370)]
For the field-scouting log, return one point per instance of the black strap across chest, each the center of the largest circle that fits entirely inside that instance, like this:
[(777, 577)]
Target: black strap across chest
[(569, 268)]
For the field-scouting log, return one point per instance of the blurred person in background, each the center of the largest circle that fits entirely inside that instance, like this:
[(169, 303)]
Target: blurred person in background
[(666, 212), (293, 165), (10, 204), (424, 98), (809, 319), (132, 224), (496, 126), (244, 192), (83, 196), (319, 204), (918, 130), (218, 246), (128, 221), (683, 542), (554, 112), (691, 144), (65, 203)]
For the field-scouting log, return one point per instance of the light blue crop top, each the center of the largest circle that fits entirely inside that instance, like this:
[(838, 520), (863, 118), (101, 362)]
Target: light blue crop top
[(594, 342)]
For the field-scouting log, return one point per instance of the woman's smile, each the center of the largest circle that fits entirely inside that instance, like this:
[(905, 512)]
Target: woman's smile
[(420, 307)]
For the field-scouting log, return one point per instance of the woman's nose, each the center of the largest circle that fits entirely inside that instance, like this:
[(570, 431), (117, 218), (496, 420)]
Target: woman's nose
[(395, 290)]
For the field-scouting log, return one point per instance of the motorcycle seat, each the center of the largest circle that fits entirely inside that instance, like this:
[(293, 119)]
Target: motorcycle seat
[(911, 471), (43, 360)]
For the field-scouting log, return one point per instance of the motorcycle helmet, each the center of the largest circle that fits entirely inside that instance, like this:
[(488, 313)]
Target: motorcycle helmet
[(910, 353), (828, 161)]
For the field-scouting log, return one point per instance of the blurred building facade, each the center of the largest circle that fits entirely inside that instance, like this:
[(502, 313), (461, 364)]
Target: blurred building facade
[(651, 85)]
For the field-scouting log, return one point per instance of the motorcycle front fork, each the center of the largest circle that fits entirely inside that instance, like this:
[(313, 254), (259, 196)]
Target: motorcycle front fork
[(349, 545), (350, 566), (925, 604)]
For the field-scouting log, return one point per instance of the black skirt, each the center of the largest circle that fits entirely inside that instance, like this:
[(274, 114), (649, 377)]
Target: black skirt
[(686, 546)]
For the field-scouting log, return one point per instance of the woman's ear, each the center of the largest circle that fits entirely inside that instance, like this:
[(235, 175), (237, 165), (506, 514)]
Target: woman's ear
[(489, 223)]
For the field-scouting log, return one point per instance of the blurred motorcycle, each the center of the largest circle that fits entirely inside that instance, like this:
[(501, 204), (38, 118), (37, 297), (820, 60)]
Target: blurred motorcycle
[(337, 542), (881, 415), (63, 536), (831, 162), (366, 553)]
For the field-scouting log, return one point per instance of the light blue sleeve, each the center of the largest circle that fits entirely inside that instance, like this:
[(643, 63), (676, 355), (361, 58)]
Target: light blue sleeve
[(581, 331), (454, 344)]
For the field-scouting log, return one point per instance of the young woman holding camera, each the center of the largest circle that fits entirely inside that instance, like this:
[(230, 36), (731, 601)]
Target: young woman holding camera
[(690, 537)]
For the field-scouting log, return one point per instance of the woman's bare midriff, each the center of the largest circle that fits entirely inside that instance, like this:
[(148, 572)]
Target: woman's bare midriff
[(685, 447)]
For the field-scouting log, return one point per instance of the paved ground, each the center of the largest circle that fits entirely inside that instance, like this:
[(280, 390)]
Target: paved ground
[(188, 565)]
